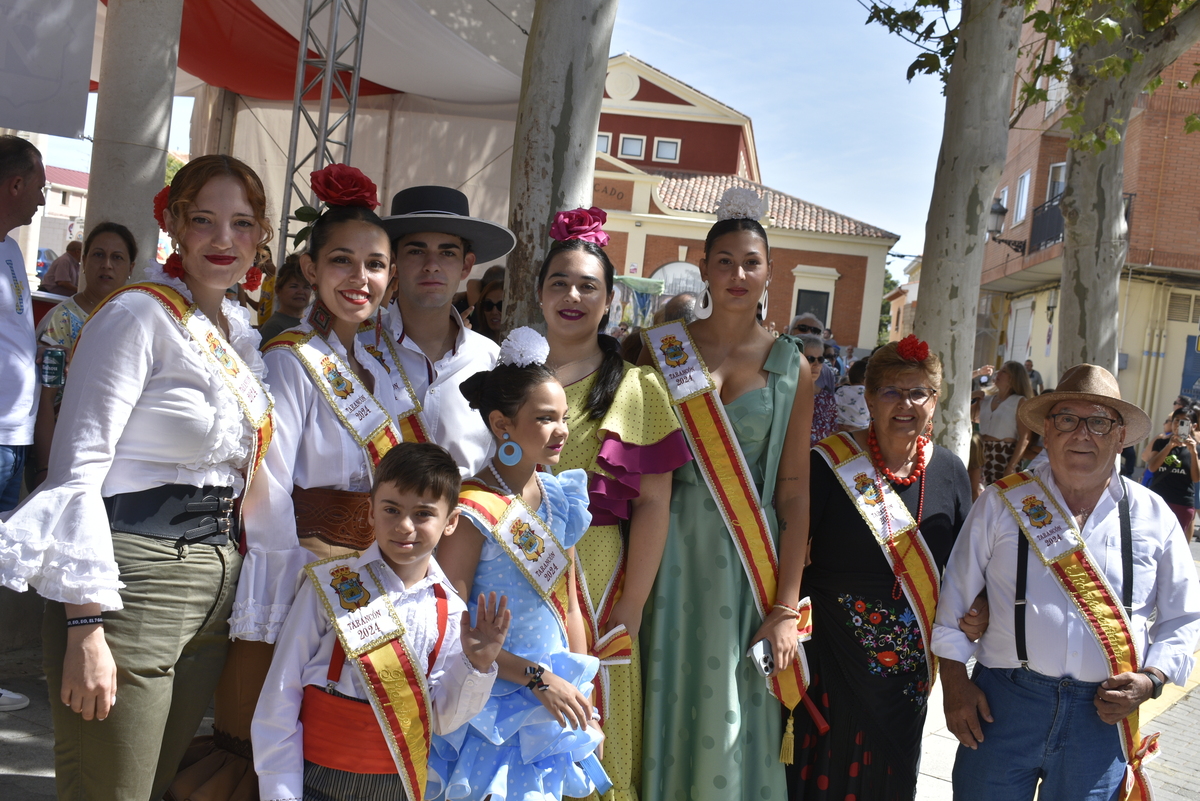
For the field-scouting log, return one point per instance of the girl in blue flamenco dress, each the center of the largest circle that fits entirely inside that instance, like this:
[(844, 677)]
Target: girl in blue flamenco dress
[(538, 738)]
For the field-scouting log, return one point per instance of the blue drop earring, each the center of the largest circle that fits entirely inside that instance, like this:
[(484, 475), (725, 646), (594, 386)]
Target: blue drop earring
[(509, 452)]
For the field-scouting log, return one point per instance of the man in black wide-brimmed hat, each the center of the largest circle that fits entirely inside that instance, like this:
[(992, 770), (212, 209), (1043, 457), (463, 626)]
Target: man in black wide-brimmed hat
[(435, 243)]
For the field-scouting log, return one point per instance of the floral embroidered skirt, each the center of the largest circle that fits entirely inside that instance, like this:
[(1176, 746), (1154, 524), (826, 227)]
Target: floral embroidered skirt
[(870, 683)]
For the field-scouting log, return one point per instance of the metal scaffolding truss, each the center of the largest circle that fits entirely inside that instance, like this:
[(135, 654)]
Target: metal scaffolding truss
[(330, 69)]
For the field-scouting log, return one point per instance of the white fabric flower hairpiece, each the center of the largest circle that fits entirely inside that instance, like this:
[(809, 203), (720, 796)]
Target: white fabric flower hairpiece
[(741, 202), (524, 347)]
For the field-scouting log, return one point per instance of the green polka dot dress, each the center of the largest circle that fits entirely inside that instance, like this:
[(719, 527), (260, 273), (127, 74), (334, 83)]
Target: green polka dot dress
[(712, 730)]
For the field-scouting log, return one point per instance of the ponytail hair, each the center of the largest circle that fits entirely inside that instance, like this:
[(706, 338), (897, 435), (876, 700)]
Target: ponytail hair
[(612, 366)]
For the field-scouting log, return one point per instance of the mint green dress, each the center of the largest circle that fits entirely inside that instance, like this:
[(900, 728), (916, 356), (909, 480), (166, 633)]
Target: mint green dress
[(711, 728)]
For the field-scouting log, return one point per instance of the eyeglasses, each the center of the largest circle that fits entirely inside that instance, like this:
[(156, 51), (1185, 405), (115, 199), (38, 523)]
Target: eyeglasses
[(1099, 426), (918, 396), (814, 359), (488, 305), (800, 328)]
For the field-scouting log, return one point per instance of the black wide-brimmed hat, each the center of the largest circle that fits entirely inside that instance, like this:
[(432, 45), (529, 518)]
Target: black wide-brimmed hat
[(443, 210)]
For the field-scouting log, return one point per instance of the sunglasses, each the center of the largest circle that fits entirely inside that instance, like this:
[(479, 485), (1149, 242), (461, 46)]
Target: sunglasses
[(488, 305), (806, 329), (814, 359)]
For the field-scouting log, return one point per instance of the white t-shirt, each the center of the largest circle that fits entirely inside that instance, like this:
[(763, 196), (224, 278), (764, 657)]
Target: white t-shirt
[(18, 349)]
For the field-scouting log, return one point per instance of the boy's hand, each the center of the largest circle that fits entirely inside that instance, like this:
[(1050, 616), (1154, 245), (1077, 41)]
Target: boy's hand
[(482, 642)]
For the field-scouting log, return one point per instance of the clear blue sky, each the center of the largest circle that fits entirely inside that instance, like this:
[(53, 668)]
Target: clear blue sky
[(836, 122)]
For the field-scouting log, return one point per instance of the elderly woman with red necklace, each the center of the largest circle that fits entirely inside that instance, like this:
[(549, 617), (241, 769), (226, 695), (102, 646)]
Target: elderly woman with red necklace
[(873, 604)]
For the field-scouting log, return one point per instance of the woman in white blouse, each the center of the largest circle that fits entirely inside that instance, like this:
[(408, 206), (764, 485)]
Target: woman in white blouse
[(334, 407), (132, 538), (1003, 434)]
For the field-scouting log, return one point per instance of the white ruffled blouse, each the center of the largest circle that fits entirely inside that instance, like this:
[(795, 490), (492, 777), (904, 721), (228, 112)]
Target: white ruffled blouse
[(144, 408), (311, 448)]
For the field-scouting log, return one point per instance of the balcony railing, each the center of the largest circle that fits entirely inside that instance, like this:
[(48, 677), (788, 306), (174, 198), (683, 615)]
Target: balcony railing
[(1047, 226)]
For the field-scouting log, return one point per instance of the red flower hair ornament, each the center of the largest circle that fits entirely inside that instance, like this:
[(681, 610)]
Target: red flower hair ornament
[(585, 224), (336, 185), (160, 206), (912, 349)]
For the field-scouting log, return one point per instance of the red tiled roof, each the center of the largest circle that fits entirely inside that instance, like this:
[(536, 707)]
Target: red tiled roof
[(64, 177), (699, 192)]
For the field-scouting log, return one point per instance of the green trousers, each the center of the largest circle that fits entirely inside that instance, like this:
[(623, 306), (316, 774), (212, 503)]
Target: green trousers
[(169, 644)]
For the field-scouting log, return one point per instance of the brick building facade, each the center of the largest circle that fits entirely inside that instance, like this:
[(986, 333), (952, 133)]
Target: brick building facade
[(1160, 281), (666, 153)]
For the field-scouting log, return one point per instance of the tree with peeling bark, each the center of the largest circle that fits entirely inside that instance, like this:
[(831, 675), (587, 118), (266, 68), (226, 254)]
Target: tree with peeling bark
[(1118, 50), (554, 146), (981, 51)]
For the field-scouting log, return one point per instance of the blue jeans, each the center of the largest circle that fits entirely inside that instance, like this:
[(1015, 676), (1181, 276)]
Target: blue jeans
[(12, 468), (1045, 728)]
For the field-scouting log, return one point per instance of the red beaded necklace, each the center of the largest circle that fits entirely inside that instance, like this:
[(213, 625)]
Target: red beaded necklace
[(877, 457), (918, 472)]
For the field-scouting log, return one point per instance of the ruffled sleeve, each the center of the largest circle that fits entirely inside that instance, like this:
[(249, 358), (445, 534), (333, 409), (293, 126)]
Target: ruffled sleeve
[(58, 540), (639, 435), (567, 497)]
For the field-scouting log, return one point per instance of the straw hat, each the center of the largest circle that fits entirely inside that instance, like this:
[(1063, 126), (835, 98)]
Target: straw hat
[(1093, 384)]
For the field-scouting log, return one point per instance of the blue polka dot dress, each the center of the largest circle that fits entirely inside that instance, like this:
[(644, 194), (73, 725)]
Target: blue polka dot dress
[(514, 750)]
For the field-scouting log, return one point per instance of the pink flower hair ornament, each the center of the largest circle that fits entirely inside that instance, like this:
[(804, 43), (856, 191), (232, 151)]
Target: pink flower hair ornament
[(585, 224)]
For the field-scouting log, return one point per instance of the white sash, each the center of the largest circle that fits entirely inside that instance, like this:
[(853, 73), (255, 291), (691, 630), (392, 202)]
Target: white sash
[(1051, 531), (251, 395), (360, 412), (857, 477), (406, 399), (361, 611)]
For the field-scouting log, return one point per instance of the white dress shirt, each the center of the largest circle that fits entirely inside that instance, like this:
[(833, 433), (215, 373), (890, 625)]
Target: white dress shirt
[(311, 448), (457, 692), (20, 390), (449, 419), (144, 407), (1059, 641)]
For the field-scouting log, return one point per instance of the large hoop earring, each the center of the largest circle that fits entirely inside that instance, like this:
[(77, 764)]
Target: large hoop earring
[(704, 306), (509, 452), (762, 302)]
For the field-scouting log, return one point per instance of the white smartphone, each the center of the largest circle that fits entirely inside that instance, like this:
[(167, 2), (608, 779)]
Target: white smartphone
[(762, 657), (1184, 428)]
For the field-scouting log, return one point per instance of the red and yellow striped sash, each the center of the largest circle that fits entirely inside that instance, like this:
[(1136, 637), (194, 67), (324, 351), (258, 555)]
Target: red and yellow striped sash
[(488, 506), (371, 634), (370, 424), (727, 476), (1093, 596), (407, 412), (905, 550), (253, 398)]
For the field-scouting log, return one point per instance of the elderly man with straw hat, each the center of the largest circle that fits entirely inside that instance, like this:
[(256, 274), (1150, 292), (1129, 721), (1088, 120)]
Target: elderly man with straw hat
[(1094, 606)]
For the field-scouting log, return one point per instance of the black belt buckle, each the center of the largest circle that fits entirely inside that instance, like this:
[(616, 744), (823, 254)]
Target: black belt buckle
[(176, 513)]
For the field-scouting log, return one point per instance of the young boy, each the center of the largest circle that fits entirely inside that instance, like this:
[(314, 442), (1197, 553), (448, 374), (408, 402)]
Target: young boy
[(375, 643)]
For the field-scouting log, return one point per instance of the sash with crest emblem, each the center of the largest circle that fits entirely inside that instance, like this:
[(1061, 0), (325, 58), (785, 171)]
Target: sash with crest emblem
[(727, 476), (252, 396), (360, 412), (883, 510), (408, 415), (525, 537), (373, 638), (1051, 533)]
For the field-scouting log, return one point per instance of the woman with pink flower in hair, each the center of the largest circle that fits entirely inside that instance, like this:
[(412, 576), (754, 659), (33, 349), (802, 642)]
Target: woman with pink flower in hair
[(335, 418), (885, 507), (132, 538), (624, 434)]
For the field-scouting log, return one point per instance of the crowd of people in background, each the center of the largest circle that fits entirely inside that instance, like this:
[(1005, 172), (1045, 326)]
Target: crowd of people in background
[(408, 554)]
